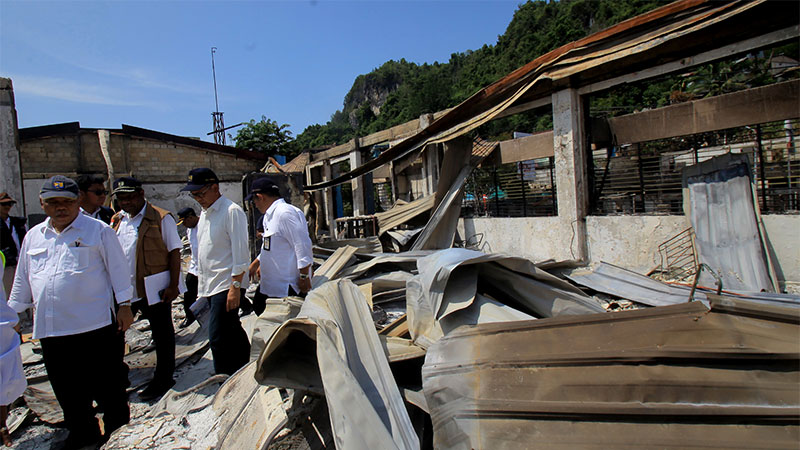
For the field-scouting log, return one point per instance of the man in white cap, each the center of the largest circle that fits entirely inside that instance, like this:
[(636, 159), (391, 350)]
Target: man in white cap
[(70, 270)]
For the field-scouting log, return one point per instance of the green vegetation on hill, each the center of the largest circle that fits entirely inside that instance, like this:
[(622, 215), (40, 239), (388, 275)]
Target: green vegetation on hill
[(399, 91)]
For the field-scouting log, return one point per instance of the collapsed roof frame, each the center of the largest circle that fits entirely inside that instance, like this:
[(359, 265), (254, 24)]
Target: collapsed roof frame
[(671, 38)]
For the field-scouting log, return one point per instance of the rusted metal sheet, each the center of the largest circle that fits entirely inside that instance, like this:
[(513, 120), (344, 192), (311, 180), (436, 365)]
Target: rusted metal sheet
[(684, 376), (759, 105)]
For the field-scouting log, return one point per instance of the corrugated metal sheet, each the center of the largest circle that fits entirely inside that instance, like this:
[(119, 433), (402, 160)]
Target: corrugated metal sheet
[(610, 279), (336, 340), (722, 214), (454, 287), (682, 376)]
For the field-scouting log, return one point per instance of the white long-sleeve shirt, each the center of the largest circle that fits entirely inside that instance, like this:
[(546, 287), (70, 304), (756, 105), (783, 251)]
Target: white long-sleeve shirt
[(12, 377), (286, 248), (128, 234), (71, 277), (221, 247), (191, 233)]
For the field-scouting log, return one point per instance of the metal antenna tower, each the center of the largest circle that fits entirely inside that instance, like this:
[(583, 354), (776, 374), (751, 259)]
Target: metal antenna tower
[(218, 121)]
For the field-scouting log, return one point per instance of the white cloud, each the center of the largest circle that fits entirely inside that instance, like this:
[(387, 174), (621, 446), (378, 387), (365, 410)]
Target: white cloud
[(74, 91)]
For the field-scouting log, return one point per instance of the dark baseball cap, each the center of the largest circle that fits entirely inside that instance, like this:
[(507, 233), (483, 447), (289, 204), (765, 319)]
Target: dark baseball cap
[(126, 184), (186, 212), (59, 186), (200, 178), (262, 185), (5, 198)]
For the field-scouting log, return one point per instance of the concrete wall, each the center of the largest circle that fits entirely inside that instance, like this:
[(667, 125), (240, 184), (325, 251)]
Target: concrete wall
[(10, 171), (783, 240), (626, 241), (150, 160)]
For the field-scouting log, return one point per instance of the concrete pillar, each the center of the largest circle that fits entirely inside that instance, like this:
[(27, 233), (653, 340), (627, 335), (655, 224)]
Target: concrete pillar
[(357, 184), (330, 207), (431, 165), (10, 168), (569, 142)]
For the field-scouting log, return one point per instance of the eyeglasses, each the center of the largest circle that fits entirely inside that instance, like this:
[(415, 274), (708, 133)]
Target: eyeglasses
[(99, 192), (201, 192)]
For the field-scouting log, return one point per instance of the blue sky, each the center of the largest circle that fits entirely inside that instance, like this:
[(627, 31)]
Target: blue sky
[(148, 63)]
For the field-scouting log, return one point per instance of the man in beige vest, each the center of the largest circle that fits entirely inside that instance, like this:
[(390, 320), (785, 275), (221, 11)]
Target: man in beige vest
[(149, 238)]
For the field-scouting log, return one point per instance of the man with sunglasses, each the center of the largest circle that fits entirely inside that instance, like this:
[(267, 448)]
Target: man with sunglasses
[(222, 260), (94, 197), (149, 237)]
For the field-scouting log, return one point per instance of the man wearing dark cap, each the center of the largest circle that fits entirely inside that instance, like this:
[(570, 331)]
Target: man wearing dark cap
[(12, 231), (222, 260), (93, 188), (285, 259), (189, 219), (70, 270), (149, 237)]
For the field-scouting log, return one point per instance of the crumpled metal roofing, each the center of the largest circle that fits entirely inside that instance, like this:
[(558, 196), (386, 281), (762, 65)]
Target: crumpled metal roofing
[(682, 376), (449, 292), (366, 409), (610, 279)]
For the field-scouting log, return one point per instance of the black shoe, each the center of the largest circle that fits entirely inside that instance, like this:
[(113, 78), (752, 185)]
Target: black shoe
[(75, 442), (155, 390), (149, 347), (187, 321)]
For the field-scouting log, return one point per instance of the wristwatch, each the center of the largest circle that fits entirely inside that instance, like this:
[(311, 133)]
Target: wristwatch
[(303, 276), (237, 284)]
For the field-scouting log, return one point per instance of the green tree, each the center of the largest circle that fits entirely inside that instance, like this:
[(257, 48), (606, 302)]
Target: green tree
[(265, 136)]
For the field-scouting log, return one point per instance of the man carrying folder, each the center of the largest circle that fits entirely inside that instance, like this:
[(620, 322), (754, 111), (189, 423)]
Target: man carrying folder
[(149, 238)]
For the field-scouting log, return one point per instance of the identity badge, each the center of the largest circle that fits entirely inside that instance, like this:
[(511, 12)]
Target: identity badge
[(266, 242)]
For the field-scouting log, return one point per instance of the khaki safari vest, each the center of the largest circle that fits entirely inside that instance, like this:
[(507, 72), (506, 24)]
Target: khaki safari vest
[(151, 252)]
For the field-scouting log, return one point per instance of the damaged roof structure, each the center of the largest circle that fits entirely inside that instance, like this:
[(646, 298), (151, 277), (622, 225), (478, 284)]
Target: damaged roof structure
[(433, 346)]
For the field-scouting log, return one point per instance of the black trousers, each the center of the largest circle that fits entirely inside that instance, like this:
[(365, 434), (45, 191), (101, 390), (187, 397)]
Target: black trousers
[(228, 340), (160, 318), (85, 367), (190, 295), (260, 300)]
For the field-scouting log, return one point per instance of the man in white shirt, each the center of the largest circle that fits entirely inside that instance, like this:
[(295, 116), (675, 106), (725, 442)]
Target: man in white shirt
[(285, 259), (12, 376), (222, 260), (189, 219), (149, 237), (71, 268)]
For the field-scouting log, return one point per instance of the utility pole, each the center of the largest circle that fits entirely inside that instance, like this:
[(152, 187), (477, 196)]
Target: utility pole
[(218, 121)]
